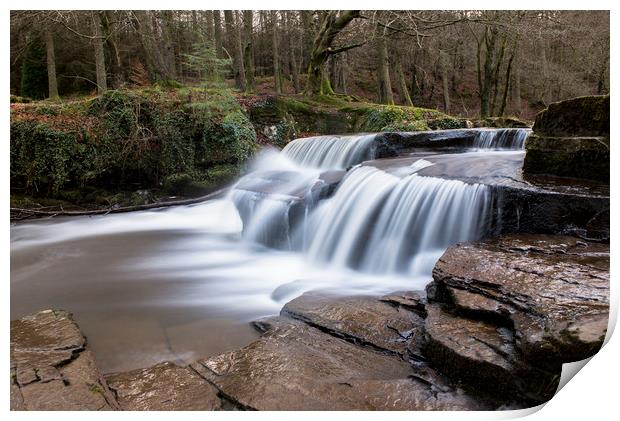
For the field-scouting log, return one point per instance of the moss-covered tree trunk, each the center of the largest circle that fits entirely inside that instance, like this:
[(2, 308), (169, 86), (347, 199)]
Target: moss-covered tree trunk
[(332, 23), (248, 52), (51, 64), (102, 85)]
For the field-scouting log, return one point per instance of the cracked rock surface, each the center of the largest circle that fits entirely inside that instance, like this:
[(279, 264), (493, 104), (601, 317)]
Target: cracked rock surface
[(364, 320), (51, 367), (295, 366)]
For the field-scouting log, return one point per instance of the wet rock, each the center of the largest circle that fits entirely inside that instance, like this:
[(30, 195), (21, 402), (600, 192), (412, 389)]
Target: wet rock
[(552, 290), (51, 367), (163, 387), (363, 320), (297, 367), (483, 355), (408, 300)]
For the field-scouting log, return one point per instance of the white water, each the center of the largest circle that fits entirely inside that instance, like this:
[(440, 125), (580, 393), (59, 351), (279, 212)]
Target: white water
[(330, 152), (512, 139), (379, 223)]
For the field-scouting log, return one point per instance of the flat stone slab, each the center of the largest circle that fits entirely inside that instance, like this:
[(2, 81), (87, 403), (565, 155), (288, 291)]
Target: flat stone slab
[(297, 367), (163, 387), (51, 367), (364, 320), (554, 290)]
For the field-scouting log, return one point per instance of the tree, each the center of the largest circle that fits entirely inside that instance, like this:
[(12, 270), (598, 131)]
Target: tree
[(277, 76), (248, 51), (51, 64), (234, 45), (332, 23), (102, 84)]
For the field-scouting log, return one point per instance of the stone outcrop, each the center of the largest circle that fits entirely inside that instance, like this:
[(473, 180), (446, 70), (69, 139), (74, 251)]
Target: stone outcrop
[(520, 304), (163, 387), (52, 368), (571, 139), (362, 320), (297, 367)]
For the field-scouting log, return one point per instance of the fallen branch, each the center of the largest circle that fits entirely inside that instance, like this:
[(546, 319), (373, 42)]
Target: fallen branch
[(24, 213)]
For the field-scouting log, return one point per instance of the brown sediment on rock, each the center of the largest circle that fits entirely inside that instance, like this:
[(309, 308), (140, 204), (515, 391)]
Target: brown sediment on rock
[(52, 368)]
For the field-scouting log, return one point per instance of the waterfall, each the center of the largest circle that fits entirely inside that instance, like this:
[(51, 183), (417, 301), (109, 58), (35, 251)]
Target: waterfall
[(513, 139), (331, 152), (379, 223)]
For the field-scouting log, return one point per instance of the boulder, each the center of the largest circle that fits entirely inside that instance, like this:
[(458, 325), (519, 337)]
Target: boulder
[(583, 116), (571, 139), (577, 157), (295, 366), (363, 320), (52, 368), (163, 387), (552, 291)]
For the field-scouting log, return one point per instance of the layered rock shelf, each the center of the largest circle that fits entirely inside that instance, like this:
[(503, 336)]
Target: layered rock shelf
[(490, 332)]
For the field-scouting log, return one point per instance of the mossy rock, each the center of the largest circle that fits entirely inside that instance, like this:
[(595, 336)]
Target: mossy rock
[(502, 123), (582, 116), (576, 157)]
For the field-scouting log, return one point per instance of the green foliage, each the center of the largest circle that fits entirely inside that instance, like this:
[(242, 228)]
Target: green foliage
[(34, 71), (168, 84), (138, 137), (446, 123), (43, 160), (230, 140), (204, 61)]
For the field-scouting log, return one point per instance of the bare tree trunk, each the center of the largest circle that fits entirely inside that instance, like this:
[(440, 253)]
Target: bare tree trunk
[(210, 25), (277, 77), (331, 25), (234, 44), (498, 64), (401, 83), (217, 30), (383, 72), (52, 83), (248, 53), (516, 85), (102, 85), (445, 82), (290, 48), (507, 82), (306, 37)]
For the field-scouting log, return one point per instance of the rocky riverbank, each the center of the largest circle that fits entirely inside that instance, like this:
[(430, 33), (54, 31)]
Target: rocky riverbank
[(490, 332)]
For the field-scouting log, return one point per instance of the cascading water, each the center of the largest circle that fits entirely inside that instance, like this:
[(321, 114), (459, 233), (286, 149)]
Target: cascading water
[(331, 152), (379, 223), (512, 139)]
